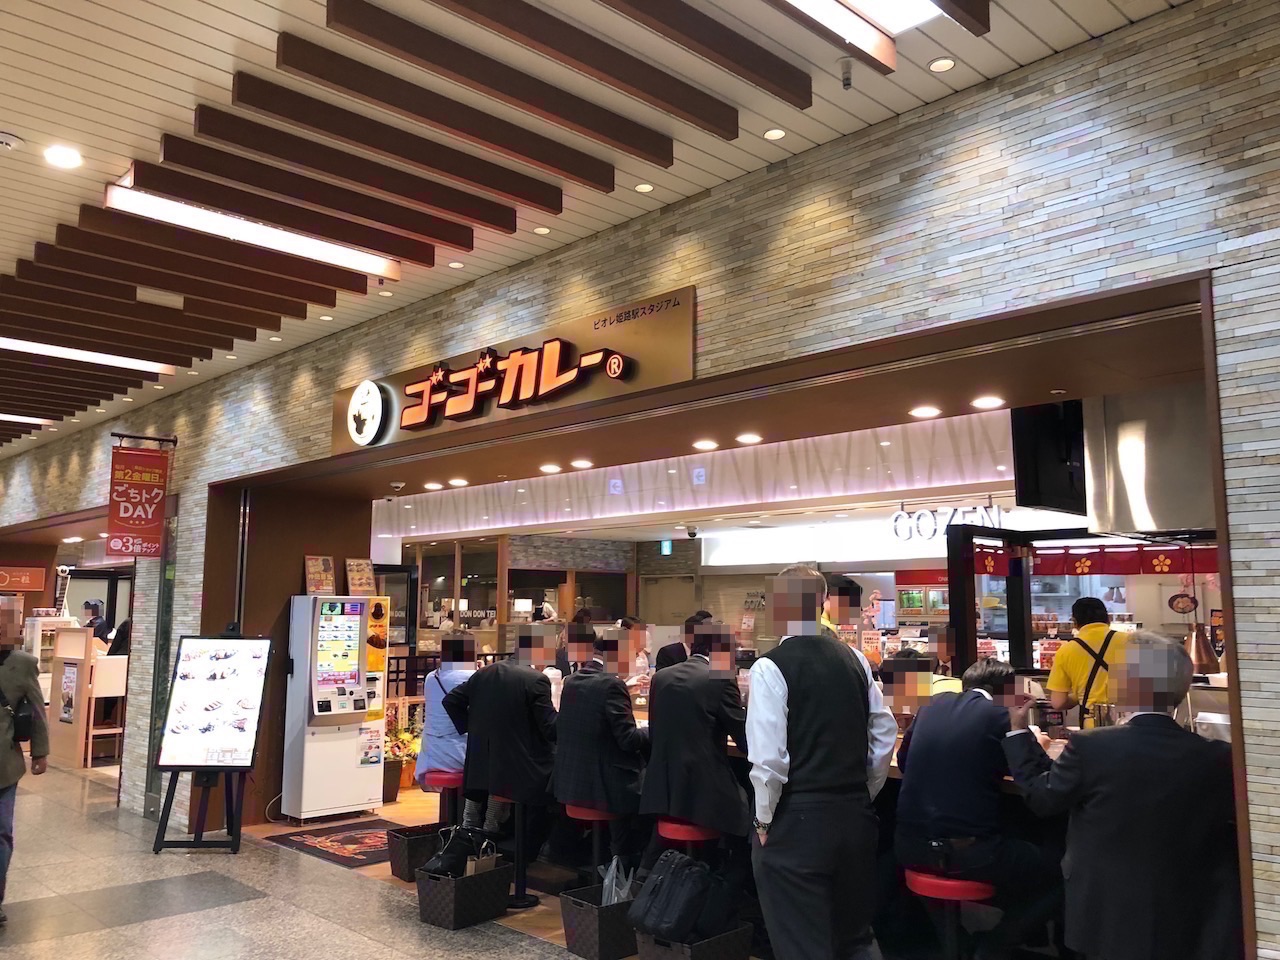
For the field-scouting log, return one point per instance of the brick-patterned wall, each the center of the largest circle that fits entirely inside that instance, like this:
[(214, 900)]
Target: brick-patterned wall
[(568, 553), (685, 559), (1148, 153)]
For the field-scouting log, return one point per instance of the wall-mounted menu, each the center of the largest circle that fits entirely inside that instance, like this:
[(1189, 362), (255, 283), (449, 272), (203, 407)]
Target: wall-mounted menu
[(215, 704)]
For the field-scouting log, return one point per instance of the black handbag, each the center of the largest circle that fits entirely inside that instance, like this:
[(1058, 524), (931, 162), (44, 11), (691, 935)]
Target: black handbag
[(672, 899), (457, 845), (22, 717)]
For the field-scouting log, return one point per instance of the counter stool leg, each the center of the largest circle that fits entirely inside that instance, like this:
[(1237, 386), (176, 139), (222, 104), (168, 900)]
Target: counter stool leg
[(597, 847), (951, 930), (521, 899)]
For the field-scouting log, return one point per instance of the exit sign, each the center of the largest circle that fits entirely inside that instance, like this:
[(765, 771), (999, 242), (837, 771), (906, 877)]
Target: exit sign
[(666, 548)]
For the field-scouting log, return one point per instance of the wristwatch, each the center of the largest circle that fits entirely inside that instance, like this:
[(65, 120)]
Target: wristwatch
[(760, 827)]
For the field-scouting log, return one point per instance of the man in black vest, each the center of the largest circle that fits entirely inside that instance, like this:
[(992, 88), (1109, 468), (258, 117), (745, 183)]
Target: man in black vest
[(821, 742)]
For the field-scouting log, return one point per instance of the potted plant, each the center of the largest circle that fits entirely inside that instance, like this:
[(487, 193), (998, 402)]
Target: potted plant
[(400, 746)]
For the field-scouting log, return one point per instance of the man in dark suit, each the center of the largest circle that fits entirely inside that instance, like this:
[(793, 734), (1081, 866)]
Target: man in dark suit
[(1151, 869), (949, 822), (599, 749), (678, 652), (693, 707), (506, 712)]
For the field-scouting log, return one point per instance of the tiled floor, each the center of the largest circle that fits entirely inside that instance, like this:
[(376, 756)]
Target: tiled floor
[(84, 885)]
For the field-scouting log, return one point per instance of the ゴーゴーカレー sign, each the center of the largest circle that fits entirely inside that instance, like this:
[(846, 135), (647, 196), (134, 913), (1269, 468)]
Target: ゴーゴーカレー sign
[(638, 346)]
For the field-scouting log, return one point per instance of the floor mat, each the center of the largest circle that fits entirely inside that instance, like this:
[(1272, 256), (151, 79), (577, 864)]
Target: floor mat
[(349, 845)]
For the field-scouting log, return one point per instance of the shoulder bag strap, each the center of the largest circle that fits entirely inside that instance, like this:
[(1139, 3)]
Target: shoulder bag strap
[(1099, 663), (439, 682)]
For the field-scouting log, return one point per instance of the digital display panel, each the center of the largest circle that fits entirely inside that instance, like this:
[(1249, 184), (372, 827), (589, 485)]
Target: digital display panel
[(214, 704), (338, 641)]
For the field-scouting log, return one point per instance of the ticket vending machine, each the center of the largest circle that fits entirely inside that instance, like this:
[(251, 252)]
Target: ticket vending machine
[(332, 752)]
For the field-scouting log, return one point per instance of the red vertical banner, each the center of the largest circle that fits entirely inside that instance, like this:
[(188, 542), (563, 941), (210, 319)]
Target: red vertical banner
[(135, 509)]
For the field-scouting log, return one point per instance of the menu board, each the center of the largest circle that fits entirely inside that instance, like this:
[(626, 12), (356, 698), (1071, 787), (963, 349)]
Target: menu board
[(321, 578), (338, 643), (361, 581), (215, 704)]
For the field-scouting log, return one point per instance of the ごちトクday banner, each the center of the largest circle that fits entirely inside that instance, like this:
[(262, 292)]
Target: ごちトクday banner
[(135, 509)]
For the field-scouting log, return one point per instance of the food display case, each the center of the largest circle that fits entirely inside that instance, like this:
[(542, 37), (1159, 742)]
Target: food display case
[(922, 596)]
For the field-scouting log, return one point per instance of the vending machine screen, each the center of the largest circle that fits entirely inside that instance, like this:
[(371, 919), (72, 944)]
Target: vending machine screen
[(338, 643)]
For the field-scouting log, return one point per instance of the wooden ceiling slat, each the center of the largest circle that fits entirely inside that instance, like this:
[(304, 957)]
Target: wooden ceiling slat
[(214, 310), (62, 334), (160, 333), (109, 289), (128, 227), (428, 50), (168, 182), (150, 313), (973, 15), (726, 48), (130, 251), (270, 99), (72, 382), (77, 262), (582, 51), (370, 175), (16, 359), (314, 194), (309, 61), (32, 408), (873, 47), (88, 395)]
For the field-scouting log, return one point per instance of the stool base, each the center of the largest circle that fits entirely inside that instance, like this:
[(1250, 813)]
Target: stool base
[(523, 901)]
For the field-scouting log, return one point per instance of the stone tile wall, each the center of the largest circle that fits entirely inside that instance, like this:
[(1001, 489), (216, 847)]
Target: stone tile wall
[(570, 553), (685, 559), (1148, 153)]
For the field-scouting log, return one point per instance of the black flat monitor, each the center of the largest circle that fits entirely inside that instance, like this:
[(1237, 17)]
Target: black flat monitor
[(1048, 456)]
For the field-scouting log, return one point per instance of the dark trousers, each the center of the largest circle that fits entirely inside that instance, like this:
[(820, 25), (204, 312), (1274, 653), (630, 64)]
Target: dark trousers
[(816, 877), (1028, 882)]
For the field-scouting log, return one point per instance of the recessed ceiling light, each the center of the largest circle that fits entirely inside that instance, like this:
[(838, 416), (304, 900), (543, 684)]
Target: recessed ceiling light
[(679, 526), (748, 438), (776, 133), (644, 188), (73, 539), (325, 316), (127, 399), (670, 471), (102, 536), (29, 436), (408, 506), (457, 482), (193, 373), (542, 231), (157, 386), (841, 516), (1001, 467), (99, 411), (886, 443), (941, 64), (987, 403), (413, 526), (1058, 393), (53, 429), (384, 536), (925, 412), (275, 339), (75, 420), (434, 486), (753, 521), (662, 503), (519, 489), (568, 509), (550, 468), (232, 356), (705, 445), (64, 158), (386, 293), (581, 464), (794, 487), (456, 264)]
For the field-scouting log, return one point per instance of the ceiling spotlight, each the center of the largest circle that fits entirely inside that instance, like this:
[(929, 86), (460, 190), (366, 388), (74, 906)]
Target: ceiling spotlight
[(550, 468), (457, 482), (705, 445), (941, 64), (73, 539), (748, 438), (886, 443), (925, 412), (64, 158), (385, 293), (987, 403), (275, 339), (325, 316), (434, 486), (644, 188), (542, 231), (456, 264), (581, 464), (775, 134)]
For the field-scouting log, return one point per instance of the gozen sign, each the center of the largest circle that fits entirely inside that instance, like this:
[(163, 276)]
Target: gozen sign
[(928, 524), (639, 346), (135, 510)]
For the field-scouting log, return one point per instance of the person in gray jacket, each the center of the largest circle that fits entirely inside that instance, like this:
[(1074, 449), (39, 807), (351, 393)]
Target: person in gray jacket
[(18, 682)]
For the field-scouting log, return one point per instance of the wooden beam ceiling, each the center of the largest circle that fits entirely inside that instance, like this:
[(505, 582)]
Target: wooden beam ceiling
[(47, 276), (430, 51), (871, 46), (86, 393), (266, 98), (168, 182), (573, 47), (183, 336), (214, 310), (313, 194), (17, 360), (712, 40), (126, 226), (39, 330), (973, 15), (299, 153), (310, 61)]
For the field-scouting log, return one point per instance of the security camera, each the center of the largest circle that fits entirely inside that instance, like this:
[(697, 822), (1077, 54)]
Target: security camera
[(397, 485), (846, 72), (693, 533)]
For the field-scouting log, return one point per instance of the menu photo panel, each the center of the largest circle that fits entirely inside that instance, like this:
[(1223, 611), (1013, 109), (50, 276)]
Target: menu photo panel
[(215, 704)]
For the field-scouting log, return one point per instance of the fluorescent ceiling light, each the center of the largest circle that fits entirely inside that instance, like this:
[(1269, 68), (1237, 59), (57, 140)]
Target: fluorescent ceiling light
[(85, 356), (247, 231), (894, 16), (34, 421)]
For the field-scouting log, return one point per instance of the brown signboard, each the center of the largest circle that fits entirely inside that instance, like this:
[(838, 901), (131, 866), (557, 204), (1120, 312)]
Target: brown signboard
[(22, 579), (637, 346)]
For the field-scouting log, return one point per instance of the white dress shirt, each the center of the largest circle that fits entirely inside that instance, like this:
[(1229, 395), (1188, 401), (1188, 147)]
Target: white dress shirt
[(767, 734)]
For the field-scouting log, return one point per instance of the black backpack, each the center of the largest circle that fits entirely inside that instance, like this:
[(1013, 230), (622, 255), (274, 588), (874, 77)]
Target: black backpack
[(672, 899)]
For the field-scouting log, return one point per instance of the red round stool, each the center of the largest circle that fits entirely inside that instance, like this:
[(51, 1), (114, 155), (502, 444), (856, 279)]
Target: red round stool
[(522, 899), (449, 783), (597, 819), (684, 832), (950, 893)]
